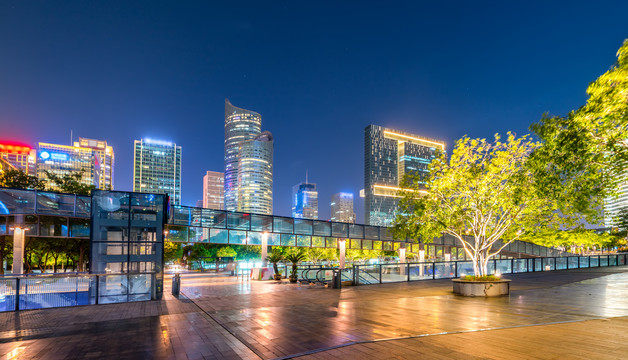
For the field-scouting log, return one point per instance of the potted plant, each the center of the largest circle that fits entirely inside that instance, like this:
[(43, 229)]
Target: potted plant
[(273, 258), (295, 258)]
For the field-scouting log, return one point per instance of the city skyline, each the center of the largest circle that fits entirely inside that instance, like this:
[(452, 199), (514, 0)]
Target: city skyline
[(421, 68)]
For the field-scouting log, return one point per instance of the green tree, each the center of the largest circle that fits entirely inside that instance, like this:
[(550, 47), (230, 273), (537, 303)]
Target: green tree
[(585, 152), (20, 180), (6, 251), (226, 251), (172, 251), (485, 190), (69, 183)]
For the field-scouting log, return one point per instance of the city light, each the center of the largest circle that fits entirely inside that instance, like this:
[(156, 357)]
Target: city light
[(158, 142)]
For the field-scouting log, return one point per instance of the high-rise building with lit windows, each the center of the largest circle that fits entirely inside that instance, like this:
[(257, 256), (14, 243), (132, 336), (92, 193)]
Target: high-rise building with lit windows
[(388, 156), (241, 125), (157, 168), (214, 190), (614, 205), (305, 201), (93, 159), (342, 208), (18, 157), (255, 175)]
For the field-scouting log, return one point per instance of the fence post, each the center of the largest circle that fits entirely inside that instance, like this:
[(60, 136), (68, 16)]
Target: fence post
[(408, 270), (380, 273), (97, 289), (433, 270), (17, 294), (456, 269), (578, 262), (512, 265), (599, 261)]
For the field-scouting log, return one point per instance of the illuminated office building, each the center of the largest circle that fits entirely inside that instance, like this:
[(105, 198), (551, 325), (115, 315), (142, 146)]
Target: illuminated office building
[(615, 204), (305, 201), (18, 157), (64, 160), (241, 125), (157, 168), (388, 156), (104, 156), (255, 175), (342, 208), (214, 190)]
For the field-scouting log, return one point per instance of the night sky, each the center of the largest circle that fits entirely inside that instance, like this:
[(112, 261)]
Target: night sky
[(317, 72)]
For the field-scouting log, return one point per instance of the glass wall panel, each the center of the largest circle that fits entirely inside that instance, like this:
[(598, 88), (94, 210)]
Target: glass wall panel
[(53, 226), (176, 233), (304, 240), (339, 230), (274, 239), (196, 234), (387, 245), (255, 238), (394, 273), (356, 231), (53, 203), (261, 223), (283, 225), (422, 271), (318, 241), (331, 242), (322, 228), (180, 215), (367, 244), (385, 234), (354, 244), (237, 237), (79, 227), (377, 245), (13, 201), (371, 232), (218, 236), (196, 214), (303, 226), (213, 218), (238, 221), (83, 206), (288, 240)]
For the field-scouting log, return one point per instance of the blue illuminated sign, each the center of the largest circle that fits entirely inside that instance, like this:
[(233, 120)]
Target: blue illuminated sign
[(44, 155), (53, 156)]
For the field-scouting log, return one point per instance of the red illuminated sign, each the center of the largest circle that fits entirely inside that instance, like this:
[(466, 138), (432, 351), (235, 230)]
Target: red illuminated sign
[(15, 148)]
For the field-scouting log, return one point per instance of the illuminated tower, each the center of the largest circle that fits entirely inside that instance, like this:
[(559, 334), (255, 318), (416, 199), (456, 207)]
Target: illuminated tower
[(255, 175), (388, 156), (104, 156), (342, 208), (18, 157), (305, 201), (240, 125), (214, 190), (157, 168)]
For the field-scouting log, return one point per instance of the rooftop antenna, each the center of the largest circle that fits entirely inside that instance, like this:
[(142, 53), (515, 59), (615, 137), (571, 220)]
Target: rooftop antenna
[(306, 177), (71, 138)]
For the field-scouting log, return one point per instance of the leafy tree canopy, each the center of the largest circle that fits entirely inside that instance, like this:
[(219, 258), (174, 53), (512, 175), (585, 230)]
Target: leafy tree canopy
[(20, 180), (69, 183)]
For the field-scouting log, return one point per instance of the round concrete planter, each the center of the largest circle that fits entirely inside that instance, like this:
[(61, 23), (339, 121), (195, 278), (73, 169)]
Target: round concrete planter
[(481, 288)]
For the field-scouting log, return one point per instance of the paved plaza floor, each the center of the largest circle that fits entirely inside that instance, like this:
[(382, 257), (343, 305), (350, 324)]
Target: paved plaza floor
[(562, 314)]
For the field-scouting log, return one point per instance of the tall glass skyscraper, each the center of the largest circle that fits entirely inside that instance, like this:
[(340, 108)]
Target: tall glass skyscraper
[(157, 168), (305, 201), (214, 190), (342, 208), (388, 156), (240, 125), (92, 158), (255, 175), (614, 205)]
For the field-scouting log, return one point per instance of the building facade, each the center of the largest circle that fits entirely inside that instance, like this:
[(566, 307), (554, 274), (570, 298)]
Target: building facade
[(305, 201), (240, 125), (214, 190), (342, 208), (614, 205), (255, 175), (104, 157), (18, 157), (157, 168), (388, 156), (64, 159)]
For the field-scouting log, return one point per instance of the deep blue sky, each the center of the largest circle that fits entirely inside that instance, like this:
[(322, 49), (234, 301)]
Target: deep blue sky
[(318, 72)]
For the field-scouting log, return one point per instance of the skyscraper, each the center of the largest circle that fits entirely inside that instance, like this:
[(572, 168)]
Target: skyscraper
[(157, 168), (614, 205), (342, 208), (305, 201), (92, 158), (255, 175), (104, 156), (388, 156), (240, 125), (214, 190)]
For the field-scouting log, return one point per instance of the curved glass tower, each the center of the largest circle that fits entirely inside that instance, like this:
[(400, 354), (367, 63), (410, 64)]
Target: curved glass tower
[(240, 125), (255, 175)]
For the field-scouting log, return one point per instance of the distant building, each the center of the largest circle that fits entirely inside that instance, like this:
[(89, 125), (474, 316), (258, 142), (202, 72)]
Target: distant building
[(104, 156), (614, 205), (94, 162), (199, 203), (157, 168), (240, 125), (342, 208), (213, 190), (388, 156), (305, 201), (18, 157), (255, 175)]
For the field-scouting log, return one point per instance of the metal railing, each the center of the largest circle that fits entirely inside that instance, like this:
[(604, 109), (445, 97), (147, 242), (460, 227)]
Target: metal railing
[(60, 290)]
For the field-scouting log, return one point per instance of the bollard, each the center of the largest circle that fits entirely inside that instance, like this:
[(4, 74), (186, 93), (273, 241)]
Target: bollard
[(176, 284), (336, 280)]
